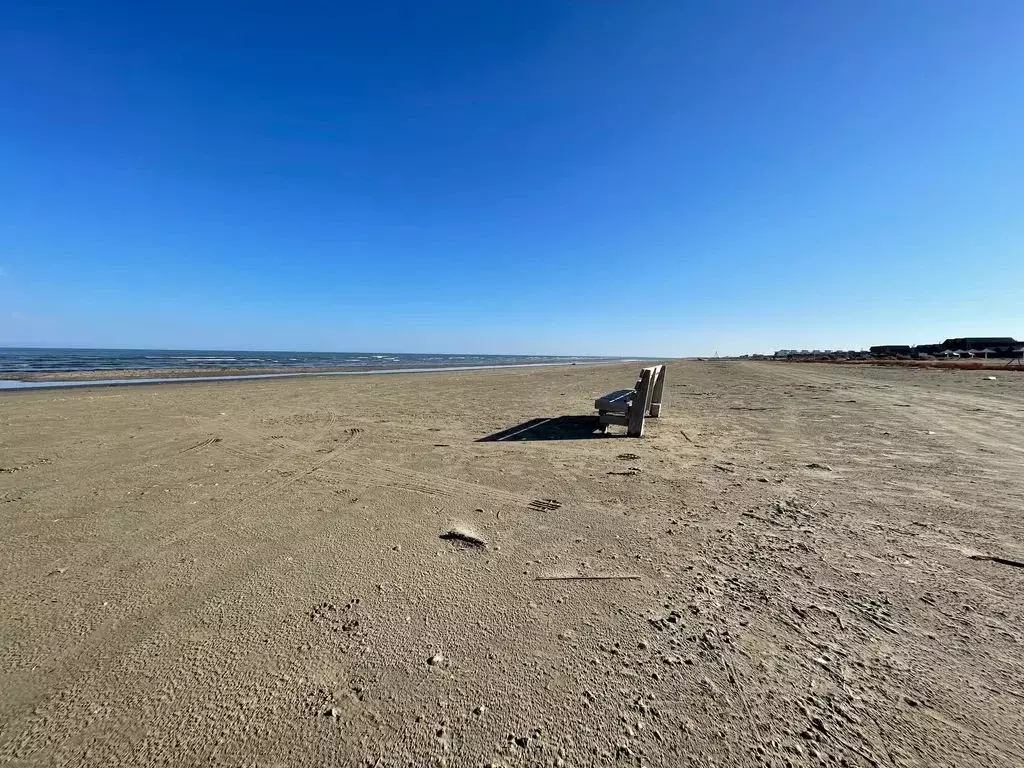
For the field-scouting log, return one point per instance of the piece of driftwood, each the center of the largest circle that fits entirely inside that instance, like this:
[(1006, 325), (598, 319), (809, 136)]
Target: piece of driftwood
[(588, 578), (1000, 560), (464, 537)]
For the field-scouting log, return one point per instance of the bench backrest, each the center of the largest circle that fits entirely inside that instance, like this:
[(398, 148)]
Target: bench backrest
[(649, 385), (650, 379)]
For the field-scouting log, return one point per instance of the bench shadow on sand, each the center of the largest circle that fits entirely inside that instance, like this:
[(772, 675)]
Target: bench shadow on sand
[(554, 428)]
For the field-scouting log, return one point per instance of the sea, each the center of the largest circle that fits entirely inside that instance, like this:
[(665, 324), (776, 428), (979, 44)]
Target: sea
[(16, 361)]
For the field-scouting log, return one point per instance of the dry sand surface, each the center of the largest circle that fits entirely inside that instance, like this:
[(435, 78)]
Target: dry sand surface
[(251, 573)]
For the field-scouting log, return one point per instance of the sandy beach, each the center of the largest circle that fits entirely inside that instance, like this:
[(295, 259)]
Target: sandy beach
[(251, 573)]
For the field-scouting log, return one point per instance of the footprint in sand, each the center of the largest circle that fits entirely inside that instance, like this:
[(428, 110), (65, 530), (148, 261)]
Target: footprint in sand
[(331, 618), (545, 505)]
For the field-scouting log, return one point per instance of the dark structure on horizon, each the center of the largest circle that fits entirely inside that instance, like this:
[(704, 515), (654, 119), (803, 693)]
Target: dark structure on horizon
[(981, 343), (989, 346), (969, 346), (890, 350)]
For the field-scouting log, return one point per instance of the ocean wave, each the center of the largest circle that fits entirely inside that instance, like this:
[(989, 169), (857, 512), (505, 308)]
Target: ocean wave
[(57, 360)]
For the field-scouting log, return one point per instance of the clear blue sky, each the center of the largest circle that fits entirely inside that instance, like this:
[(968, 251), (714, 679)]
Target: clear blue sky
[(588, 177)]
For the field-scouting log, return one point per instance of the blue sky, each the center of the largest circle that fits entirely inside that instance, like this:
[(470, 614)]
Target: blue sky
[(657, 178)]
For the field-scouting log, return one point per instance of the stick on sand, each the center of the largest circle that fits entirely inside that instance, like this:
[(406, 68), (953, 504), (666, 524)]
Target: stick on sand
[(588, 578)]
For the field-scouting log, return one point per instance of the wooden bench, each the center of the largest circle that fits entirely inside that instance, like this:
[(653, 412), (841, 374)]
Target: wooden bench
[(629, 407)]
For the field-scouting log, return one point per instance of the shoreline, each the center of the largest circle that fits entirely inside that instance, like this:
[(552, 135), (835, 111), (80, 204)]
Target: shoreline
[(179, 373), (138, 377)]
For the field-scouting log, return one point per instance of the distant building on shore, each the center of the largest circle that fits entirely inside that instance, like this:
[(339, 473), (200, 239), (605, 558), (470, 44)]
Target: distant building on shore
[(998, 345), (819, 354), (970, 346), (890, 350), (989, 346)]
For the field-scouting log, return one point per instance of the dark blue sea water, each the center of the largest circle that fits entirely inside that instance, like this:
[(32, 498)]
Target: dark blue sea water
[(20, 361)]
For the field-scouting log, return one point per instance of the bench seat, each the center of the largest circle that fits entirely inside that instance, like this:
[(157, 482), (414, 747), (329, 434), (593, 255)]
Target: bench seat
[(615, 402)]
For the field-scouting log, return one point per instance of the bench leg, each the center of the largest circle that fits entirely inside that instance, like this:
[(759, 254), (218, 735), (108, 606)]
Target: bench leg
[(635, 428), (639, 405), (601, 427), (659, 393)]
